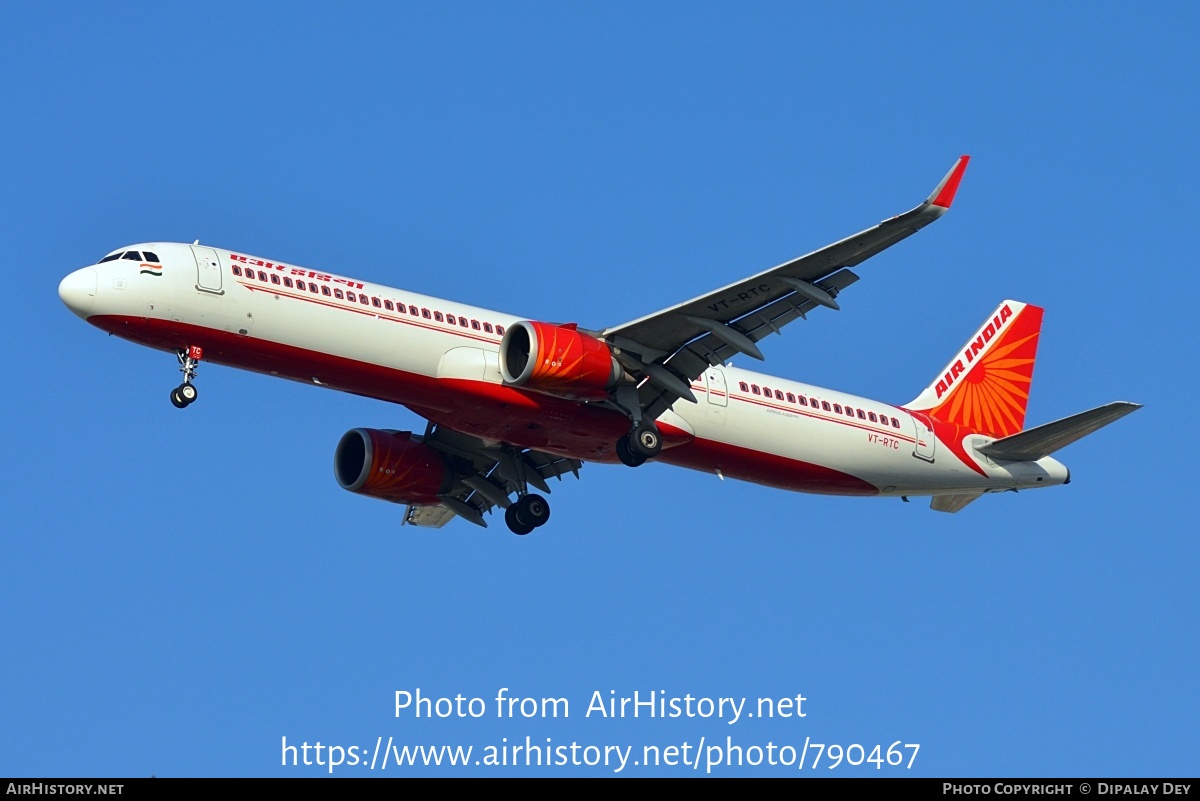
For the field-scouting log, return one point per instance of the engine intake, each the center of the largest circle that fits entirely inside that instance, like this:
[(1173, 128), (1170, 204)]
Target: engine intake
[(557, 360), (394, 466)]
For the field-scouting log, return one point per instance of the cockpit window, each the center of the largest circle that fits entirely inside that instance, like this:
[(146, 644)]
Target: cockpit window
[(110, 257), (132, 255), (151, 257)]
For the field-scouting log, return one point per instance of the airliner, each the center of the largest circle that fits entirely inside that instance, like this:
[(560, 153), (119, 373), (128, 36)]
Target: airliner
[(512, 403)]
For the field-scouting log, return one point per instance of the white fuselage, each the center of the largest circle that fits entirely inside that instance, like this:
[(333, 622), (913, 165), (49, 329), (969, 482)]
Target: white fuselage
[(440, 358)]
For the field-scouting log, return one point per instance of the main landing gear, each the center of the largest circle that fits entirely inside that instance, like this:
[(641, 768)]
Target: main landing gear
[(185, 394), (527, 513), (643, 442)]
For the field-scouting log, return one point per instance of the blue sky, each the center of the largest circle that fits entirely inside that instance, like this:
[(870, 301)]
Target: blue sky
[(181, 590)]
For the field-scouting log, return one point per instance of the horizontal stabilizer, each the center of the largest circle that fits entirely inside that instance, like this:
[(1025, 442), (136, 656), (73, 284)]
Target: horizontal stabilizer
[(952, 503), (1033, 444)]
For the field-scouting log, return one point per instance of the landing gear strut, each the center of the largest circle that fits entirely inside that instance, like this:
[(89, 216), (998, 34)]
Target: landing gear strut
[(185, 394), (527, 513), (642, 443)]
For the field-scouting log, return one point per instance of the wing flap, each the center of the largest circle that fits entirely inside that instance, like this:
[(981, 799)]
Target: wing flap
[(710, 350), (1040, 441), (428, 515), (486, 474)]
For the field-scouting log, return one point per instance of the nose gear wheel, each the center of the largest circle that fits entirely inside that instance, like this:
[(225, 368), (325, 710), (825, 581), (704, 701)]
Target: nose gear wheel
[(186, 393)]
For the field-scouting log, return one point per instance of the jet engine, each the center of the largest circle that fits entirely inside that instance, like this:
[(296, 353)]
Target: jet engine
[(557, 360), (395, 466)]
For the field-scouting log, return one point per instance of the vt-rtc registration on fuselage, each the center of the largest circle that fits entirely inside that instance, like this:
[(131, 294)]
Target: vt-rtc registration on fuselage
[(512, 403)]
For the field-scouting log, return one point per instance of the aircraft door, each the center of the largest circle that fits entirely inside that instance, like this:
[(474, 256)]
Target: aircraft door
[(925, 440), (208, 270), (718, 393)]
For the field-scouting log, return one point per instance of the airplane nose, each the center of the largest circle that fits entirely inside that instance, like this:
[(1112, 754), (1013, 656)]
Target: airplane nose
[(78, 291)]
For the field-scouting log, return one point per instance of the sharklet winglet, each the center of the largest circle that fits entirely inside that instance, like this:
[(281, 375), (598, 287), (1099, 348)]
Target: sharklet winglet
[(943, 193)]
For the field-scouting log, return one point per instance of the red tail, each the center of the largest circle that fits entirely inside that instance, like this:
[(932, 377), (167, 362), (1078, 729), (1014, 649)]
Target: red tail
[(985, 388)]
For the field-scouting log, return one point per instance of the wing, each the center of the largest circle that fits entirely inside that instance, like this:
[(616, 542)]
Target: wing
[(485, 476), (672, 347)]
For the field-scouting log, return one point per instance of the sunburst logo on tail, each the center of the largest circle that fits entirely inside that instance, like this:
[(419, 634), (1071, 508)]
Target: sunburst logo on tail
[(985, 389)]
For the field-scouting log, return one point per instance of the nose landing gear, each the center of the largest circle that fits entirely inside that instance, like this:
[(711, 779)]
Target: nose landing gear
[(185, 394)]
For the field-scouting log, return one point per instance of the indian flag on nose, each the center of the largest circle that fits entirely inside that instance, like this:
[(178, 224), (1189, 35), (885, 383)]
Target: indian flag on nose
[(150, 269)]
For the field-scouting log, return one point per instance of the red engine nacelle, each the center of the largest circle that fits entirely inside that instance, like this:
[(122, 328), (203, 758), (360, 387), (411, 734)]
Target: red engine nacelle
[(557, 360), (392, 465)]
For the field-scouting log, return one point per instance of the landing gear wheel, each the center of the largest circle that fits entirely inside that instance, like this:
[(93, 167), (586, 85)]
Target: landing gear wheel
[(189, 359), (645, 440), (515, 524), (532, 509), (626, 454)]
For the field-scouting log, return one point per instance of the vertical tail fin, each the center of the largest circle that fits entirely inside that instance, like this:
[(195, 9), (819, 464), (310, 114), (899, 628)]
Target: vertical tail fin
[(985, 387)]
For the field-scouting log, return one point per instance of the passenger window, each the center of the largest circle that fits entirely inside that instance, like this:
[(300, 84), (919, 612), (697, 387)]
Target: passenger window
[(110, 257), (450, 319), (375, 302), (791, 398), (425, 313), (412, 310), (754, 389), (325, 291), (475, 324), (462, 321), (849, 412), (237, 270), (437, 315), (802, 400), (363, 300), (337, 293), (262, 276), (895, 423), (861, 415), (387, 304), (132, 255), (312, 287), (151, 257), (288, 282), (825, 405), (778, 394), (837, 408), (274, 279), (743, 386), (871, 416), (487, 327), (500, 330)]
